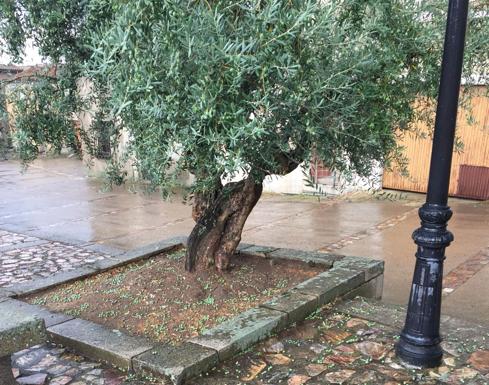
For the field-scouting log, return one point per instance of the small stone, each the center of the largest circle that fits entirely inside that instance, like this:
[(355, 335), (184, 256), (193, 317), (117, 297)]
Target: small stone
[(30, 358), (95, 372), (35, 379), (354, 322), (480, 360), (336, 336), (254, 370), (396, 366), (57, 369), (73, 372), (449, 361), (277, 359), (318, 348), (339, 359), (450, 348), (368, 377), (276, 347), (15, 372), (314, 370), (298, 379), (443, 370), (63, 380), (373, 349), (464, 374), (339, 377)]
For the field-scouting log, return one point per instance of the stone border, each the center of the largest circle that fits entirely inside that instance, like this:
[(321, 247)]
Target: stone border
[(347, 277)]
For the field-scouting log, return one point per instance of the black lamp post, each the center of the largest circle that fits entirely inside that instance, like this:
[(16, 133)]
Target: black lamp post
[(419, 342)]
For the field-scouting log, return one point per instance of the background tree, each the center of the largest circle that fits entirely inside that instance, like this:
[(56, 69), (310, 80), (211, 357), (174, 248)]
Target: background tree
[(235, 91)]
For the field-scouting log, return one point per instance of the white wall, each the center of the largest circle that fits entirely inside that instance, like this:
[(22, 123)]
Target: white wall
[(31, 56)]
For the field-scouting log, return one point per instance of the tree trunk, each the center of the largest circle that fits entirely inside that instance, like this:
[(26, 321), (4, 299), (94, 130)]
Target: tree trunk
[(220, 221)]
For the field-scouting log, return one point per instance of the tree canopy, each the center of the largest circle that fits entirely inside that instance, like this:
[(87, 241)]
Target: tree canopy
[(240, 89)]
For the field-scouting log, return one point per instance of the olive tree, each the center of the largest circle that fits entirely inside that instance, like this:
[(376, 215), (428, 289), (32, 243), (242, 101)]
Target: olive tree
[(235, 91)]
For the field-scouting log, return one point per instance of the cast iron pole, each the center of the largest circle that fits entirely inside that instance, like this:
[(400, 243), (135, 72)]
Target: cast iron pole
[(419, 343)]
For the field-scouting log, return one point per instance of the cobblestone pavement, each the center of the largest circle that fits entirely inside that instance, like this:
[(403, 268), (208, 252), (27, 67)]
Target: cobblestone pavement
[(340, 348), (29, 257), (49, 364), (8, 239)]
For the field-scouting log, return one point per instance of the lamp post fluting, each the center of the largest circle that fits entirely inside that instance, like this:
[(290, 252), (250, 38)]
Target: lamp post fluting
[(419, 342)]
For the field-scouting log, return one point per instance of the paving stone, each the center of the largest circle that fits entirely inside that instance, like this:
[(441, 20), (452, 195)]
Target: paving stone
[(306, 256), (18, 330), (261, 251), (297, 305), (98, 342), (40, 284), (35, 379), (331, 284), (372, 267), (242, 331), (23, 262), (175, 363), (28, 358), (151, 249), (50, 318)]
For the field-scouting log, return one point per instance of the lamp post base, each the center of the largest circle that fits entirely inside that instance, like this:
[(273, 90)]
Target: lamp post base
[(421, 356)]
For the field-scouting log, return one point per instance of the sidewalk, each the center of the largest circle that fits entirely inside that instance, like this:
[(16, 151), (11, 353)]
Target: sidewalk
[(55, 200), (349, 343), (54, 219)]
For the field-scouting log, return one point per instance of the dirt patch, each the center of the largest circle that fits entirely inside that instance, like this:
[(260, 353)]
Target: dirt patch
[(157, 298)]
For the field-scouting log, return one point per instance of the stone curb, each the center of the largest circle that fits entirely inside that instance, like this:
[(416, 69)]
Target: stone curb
[(50, 318), (19, 329), (40, 284), (175, 363), (313, 257), (348, 276), (242, 331), (308, 257), (98, 342)]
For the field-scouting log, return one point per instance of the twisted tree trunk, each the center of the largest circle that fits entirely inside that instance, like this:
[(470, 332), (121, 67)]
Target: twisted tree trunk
[(220, 221)]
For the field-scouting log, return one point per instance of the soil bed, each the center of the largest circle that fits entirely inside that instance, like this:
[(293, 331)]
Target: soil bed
[(158, 299)]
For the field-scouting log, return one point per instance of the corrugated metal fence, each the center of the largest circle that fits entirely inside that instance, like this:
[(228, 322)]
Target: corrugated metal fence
[(470, 167)]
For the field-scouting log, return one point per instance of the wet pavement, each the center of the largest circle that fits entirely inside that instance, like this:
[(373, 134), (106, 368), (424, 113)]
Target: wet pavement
[(351, 342), (24, 258), (51, 213), (55, 200)]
